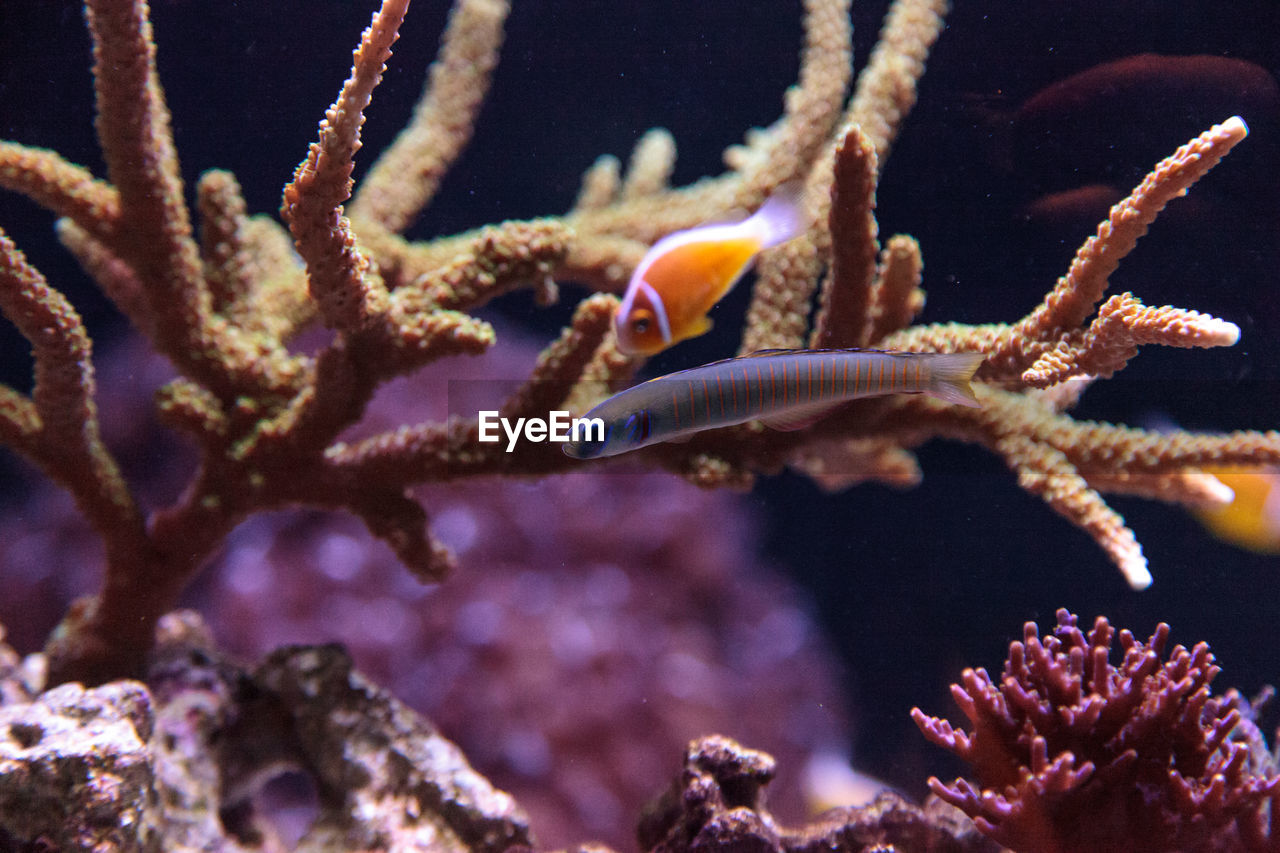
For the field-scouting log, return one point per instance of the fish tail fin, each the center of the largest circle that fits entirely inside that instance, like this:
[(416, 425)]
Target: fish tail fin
[(952, 373), (782, 215)]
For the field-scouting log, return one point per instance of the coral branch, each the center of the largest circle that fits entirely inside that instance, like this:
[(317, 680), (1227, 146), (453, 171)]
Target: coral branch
[(227, 262), (600, 184), (116, 278), (499, 259), (19, 422), (649, 169), (779, 313), (59, 429), (846, 294), (886, 89), (896, 297), (1123, 323), (1074, 297), (401, 522), (278, 305), (1048, 473), (606, 373), (65, 188), (561, 365), (406, 176), (137, 142), (787, 150), (783, 152), (349, 292), (133, 129), (1188, 487)]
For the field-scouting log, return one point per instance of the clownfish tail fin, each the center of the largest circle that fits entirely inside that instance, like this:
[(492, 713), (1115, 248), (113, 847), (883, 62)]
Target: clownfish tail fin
[(782, 215)]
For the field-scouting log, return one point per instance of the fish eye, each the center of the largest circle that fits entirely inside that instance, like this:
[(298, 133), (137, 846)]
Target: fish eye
[(641, 324)]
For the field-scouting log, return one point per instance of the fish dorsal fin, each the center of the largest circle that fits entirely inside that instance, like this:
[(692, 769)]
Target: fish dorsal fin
[(763, 352), (800, 416), (799, 350)]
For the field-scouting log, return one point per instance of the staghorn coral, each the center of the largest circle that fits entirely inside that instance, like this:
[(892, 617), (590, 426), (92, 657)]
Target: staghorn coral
[(268, 419), (1074, 752), (265, 416)]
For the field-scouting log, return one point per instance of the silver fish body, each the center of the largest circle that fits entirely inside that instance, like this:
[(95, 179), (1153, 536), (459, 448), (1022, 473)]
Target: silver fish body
[(786, 389)]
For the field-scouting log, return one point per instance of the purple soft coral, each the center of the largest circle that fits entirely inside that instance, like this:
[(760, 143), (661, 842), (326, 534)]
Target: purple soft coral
[(1072, 752)]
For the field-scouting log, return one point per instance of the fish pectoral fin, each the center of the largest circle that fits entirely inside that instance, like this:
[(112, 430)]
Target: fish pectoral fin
[(800, 417), (699, 327)]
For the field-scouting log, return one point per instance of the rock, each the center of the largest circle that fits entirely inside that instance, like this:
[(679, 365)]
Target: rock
[(75, 769)]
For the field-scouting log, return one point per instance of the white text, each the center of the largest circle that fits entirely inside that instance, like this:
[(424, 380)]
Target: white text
[(560, 427)]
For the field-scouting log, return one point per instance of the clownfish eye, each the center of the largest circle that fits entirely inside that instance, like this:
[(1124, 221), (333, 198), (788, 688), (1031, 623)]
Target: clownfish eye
[(641, 323)]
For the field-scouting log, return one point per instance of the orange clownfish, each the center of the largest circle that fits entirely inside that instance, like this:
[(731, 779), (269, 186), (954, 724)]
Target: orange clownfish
[(687, 272)]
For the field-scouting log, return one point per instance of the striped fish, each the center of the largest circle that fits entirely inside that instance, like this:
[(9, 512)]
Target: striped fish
[(786, 389)]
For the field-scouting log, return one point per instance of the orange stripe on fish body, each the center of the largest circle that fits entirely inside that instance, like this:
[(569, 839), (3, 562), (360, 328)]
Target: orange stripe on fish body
[(686, 273)]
